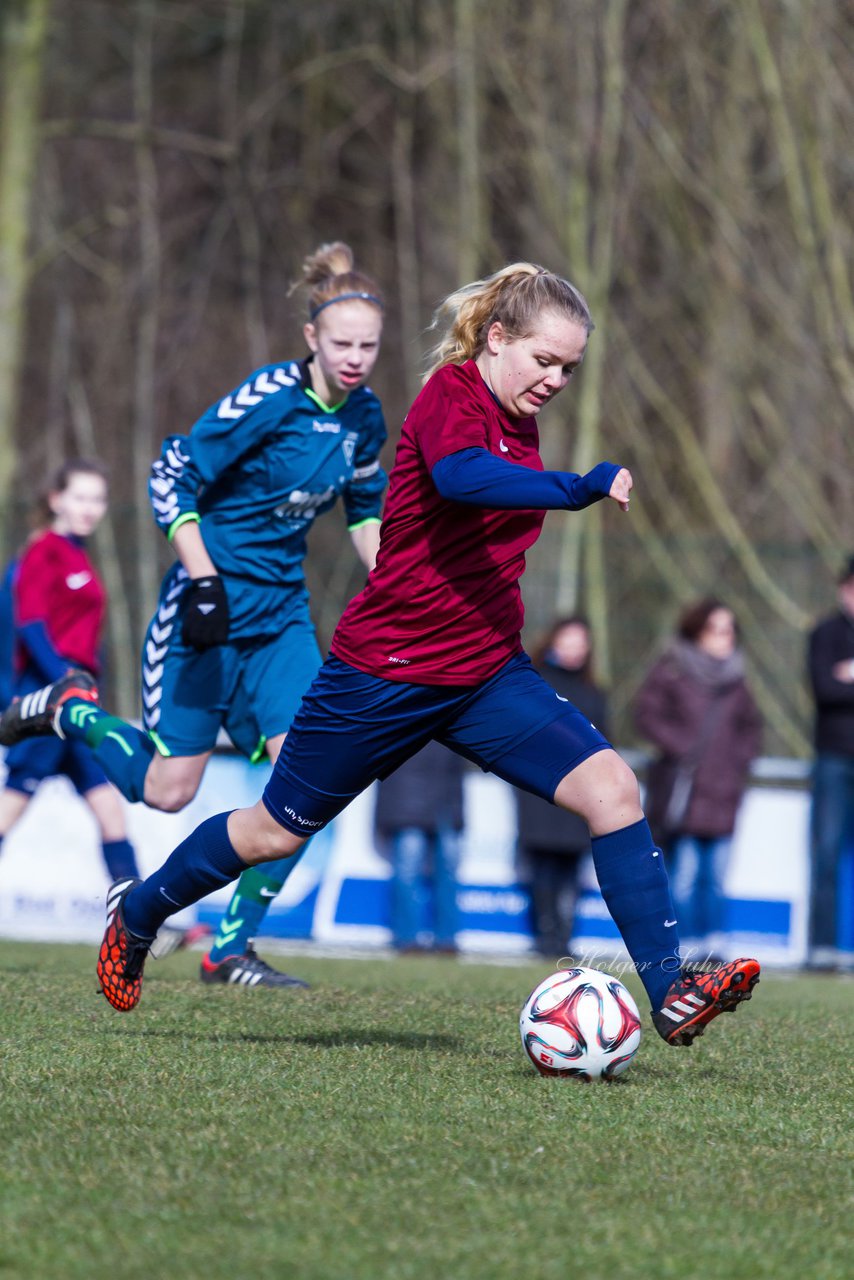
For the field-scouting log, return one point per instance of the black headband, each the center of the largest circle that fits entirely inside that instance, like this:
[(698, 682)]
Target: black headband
[(346, 297)]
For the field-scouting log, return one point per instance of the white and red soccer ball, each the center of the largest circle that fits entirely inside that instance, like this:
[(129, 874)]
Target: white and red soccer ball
[(580, 1023)]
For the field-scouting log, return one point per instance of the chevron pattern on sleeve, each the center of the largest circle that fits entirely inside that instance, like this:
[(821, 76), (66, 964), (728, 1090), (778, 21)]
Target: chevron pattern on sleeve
[(253, 392), (164, 472)]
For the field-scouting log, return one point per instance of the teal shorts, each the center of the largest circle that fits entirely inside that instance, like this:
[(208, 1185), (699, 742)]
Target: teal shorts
[(250, 688)]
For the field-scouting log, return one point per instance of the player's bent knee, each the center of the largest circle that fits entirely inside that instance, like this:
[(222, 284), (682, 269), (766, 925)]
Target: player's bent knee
[(603, 790), (623, 785), (171, 782), (170, 795)]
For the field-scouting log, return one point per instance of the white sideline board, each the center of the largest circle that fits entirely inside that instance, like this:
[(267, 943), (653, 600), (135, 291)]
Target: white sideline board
[(52, 879)]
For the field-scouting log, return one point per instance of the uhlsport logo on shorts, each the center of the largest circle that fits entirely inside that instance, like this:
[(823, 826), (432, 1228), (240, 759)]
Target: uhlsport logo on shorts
[(297, 817)]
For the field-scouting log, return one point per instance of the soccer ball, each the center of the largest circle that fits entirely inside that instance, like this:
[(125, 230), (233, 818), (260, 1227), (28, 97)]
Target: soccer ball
[(582, 1023)]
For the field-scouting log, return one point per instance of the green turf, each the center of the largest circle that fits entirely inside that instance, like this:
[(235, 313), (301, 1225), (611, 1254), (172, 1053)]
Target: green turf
[(386, 1124)]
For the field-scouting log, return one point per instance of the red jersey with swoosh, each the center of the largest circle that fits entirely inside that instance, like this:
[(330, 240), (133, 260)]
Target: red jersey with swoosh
[(56, 584), (443, 605)]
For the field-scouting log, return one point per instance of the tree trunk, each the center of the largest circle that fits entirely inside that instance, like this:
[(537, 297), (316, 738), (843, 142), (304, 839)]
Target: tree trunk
[(23, 30), (145, 386), (582, 541), (470, 238)]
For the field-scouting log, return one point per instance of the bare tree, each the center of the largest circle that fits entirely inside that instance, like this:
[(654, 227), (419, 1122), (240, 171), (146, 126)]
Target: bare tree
[(23, 33), (686, 166)]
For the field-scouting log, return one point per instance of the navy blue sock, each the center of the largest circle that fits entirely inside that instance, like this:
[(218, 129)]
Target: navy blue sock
[(123, 752), (120, 859), (205, 861), (633, 880)]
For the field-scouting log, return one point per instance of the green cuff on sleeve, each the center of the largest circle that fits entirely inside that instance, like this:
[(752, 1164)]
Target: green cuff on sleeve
[(361, 523), (184, 519)]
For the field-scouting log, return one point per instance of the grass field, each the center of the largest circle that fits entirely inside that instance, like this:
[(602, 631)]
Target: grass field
[(386, 1124)]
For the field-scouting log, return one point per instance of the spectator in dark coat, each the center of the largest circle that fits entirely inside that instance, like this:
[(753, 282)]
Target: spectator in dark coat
[(831, 669), (696, 708), (419, 816), (552, 842)]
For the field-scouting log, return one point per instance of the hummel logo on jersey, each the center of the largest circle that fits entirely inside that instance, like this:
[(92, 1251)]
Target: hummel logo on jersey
[(505, 448), (334, 427), (77, 580)]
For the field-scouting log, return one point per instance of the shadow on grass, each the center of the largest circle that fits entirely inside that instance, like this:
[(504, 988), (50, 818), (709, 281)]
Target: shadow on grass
[(355, 1037), (638, 1073)]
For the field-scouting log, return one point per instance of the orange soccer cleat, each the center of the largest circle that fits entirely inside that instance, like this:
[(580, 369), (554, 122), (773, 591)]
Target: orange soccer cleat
[(695, 999), (122, 955)]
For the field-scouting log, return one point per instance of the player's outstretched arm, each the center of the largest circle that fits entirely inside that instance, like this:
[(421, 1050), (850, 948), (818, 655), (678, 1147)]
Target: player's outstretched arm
[(477, 477)]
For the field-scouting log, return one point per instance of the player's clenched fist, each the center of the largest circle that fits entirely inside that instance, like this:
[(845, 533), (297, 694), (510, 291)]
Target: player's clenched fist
[(206, 613), (622, 487)]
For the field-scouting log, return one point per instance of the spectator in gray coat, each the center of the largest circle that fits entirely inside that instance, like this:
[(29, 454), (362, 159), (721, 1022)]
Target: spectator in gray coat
[(696, 708)]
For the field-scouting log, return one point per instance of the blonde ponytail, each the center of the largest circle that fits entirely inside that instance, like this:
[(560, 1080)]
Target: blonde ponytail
[(515, 296)]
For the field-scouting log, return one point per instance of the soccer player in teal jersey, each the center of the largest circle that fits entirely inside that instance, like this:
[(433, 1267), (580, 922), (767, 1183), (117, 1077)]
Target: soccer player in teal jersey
[(232, 644)]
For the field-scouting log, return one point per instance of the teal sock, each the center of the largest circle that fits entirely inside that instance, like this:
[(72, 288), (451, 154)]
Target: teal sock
[(256, 889), (123, 752)]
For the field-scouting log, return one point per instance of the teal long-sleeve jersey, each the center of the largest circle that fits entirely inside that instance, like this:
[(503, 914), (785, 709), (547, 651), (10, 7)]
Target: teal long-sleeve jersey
[(256, 470)]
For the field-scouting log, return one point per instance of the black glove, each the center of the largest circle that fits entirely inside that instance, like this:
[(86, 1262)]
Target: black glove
[(205, 613)]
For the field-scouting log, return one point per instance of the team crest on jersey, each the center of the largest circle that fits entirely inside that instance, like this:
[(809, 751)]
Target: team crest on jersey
[(348, 444)]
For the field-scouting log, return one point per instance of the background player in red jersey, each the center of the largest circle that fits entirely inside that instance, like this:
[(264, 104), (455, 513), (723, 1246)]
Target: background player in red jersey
[(59, 606), (432, 649)]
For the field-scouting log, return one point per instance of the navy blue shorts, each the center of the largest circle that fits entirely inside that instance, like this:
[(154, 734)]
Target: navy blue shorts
[(29, 763), (353, 728)]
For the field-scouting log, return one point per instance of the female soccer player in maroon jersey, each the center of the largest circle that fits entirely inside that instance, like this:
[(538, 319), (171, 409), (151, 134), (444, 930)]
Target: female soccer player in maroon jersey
[(431, 649)]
